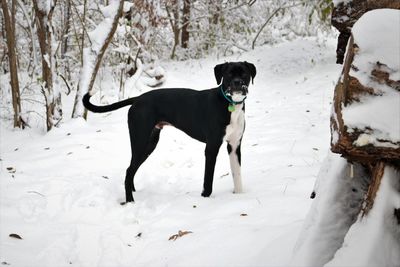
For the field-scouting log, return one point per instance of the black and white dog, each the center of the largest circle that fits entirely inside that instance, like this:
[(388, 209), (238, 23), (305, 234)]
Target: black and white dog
[(210, 116)]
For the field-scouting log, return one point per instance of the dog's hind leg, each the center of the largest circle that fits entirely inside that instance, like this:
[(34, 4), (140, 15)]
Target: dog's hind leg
[(144, 138), (151, 145), (140, 152), (130, 173)]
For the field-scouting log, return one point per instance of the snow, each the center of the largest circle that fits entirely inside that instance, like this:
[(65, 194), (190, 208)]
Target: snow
[(110, 10), (384, 46), (381, 246), (333, 233), (99, 35), (45, 5), (63, 190), (334, 210), (373, 111), (85, 76)]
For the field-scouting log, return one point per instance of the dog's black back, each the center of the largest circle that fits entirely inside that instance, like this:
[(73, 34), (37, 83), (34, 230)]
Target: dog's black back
[(197, 113)]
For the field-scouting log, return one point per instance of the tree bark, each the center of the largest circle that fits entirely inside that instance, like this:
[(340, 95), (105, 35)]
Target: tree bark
[(83, 29), (174, 18), (44, 32), (215, 11), (78, 110), (345, 14), (185, 24), (67, 13), (377, 170), (12, 59)]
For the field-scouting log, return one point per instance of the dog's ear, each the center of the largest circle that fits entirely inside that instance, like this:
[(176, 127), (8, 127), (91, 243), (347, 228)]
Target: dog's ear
[(252, 70), (218, 71)]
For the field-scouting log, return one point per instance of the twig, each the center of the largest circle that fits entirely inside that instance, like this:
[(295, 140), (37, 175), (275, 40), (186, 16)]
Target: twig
[(66, 83), (269, 19)]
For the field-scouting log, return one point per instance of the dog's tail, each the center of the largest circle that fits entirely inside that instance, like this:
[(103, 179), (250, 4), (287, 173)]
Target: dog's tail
[(111, 107)]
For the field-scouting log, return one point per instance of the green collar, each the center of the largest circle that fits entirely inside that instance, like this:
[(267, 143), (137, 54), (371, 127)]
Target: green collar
[(231, 106)]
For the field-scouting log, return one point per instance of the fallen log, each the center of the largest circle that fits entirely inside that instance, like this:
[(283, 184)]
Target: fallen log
[(365, 121)]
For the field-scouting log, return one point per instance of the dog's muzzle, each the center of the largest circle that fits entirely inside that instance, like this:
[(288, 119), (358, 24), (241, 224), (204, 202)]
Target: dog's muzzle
[(238, 86), (237, 90)]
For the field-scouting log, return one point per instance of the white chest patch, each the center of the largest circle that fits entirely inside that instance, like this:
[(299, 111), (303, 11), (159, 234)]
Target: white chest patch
[(234, 130)]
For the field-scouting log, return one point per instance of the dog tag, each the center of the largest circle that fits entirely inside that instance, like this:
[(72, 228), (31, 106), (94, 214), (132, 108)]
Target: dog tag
[(231, 108)]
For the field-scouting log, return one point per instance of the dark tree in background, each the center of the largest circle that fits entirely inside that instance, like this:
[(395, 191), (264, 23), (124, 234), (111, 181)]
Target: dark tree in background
[(9, 21), (185, 24)]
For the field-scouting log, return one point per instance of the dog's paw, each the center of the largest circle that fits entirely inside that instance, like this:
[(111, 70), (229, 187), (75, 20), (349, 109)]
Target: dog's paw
[(126, 202), (238, 191), (205, 194)]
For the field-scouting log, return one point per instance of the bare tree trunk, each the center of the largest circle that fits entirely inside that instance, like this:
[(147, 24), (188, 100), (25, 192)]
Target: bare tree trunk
[(83, 29), (174, 17), (78, 110), (215, 10), (65, 37), (29, 21), (185, 24), (64, 43), (12, 59), (45, 31)]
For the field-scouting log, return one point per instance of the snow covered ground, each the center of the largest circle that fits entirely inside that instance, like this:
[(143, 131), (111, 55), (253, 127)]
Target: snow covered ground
[(60, 191)]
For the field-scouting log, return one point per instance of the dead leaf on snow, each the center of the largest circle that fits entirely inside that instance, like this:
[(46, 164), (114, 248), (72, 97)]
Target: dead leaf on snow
[(16, 236), (179, 234)]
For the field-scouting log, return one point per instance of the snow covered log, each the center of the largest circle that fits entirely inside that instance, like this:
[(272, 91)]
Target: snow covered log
[(345, 13), (355, 217), (365, 122)]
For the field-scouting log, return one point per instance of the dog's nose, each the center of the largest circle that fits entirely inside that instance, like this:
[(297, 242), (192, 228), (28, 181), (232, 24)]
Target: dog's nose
[(237, 83)]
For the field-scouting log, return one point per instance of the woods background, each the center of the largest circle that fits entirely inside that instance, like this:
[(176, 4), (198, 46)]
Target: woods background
[(42, 45)]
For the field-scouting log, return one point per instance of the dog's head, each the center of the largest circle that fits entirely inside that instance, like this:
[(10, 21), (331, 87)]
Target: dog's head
[(235, 77)]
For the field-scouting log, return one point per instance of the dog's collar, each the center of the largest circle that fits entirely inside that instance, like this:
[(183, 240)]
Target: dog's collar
[(230, 100)]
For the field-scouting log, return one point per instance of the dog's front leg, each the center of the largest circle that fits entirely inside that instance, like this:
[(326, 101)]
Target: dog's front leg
[(211, 154), (235, 161)]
